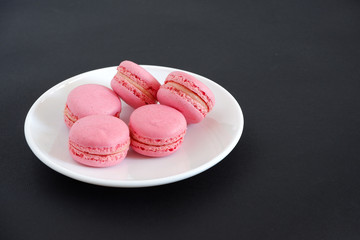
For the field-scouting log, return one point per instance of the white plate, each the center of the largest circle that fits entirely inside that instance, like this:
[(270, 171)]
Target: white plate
[(205, 143)]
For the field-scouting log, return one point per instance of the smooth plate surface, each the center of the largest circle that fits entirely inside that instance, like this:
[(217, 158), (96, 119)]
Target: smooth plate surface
[(205, 144)]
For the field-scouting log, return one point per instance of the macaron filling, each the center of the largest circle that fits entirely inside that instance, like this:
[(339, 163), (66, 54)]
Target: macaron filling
[(103, 154), (156, 142), (178, 90), (70, 118), (188, 92), (192, 86), (156, 145), (128, 79)]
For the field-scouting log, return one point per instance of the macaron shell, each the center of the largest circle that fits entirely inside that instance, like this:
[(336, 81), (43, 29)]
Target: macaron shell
[(157, 121), (99, 140), (99, 131), (195, 85), (91, 99), (156, 130), (128, 93), (135, 85), (148, 81), (185, 105), (187, 94)]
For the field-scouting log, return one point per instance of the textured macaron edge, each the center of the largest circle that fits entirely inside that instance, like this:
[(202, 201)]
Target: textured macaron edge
[(136, 81), (183, 96), (99, 156), (99, 161), (155, 147), (100, 150), (156, 150), (69, 117), (151, 85), (120, 84), (193, 84), (183, 104), (142, 74), (154, 141)]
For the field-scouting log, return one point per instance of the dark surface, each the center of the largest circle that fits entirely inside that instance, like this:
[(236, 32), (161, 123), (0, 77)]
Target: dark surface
[(293, 66)]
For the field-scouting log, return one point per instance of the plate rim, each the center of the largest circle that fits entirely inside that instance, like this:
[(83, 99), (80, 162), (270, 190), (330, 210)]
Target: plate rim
[(127, 183)]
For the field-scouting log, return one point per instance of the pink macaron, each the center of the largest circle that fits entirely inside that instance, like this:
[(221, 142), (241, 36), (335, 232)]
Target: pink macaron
[(135, 85), (90, 99), (99, 140), (156, 130), (188, 95)]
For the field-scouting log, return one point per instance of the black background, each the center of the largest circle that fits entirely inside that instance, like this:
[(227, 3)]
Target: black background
[(293, 66)]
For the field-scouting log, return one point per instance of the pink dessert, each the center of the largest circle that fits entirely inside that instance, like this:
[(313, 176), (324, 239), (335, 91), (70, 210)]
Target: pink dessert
[(156, 130), (188, 95), (135, 85), (90, 99), (99, 140)]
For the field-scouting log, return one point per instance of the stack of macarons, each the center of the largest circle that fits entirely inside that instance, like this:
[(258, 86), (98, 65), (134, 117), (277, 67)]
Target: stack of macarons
[(99, 138)]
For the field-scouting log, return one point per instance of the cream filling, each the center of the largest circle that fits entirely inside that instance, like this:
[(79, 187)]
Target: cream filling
[(135, 84), (156, 143), (69, 115), (188, 92), (119, 150), (70, 118)]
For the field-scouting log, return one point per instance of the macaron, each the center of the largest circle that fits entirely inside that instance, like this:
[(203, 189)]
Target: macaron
[(90, 99), (156, 130), (135, 85), (188, 95), (99, 140)]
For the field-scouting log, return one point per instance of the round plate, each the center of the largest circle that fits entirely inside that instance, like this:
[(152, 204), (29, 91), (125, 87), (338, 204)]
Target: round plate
[(205, 143)]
